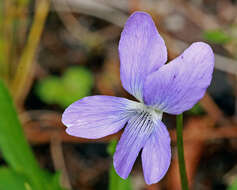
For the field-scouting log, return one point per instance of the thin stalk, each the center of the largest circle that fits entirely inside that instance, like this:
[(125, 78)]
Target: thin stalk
[(25, 66), (7, 14), (182, 169)]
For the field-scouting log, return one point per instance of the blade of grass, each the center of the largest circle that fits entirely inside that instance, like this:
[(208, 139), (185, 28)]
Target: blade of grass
[(15, 149), (9, 179), (25, 65), (6, 39), (20, 32)]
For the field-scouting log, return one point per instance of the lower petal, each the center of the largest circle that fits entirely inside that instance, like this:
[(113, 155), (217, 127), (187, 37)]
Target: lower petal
[(96, 116), (156, 154), (134, 137)]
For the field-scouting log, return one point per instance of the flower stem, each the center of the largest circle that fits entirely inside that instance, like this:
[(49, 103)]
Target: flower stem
[(182, 169)]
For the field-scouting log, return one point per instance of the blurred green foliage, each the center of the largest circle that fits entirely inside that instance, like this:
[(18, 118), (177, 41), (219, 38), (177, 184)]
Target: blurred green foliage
[(9, 179), (23, 2), (233, 186), (76, 83), (217, 36), (23, 170), (116, 182), (112, 147)]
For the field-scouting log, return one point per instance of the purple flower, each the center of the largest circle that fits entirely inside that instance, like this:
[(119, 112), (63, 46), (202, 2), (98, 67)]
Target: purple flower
[(172, 88)]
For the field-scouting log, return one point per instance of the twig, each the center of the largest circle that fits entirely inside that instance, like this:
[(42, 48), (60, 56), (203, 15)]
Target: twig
[(201, 19), (94, 8), (58, 160), (119, 18), (40, 125), (212, 109)]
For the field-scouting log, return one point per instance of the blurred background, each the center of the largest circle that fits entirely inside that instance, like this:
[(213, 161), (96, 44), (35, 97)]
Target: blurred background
[(53, 53)]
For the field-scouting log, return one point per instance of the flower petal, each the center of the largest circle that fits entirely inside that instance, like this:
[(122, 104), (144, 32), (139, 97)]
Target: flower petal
[(142, 51), (180, 84), (96, 116), (134, 137), (156, 154)]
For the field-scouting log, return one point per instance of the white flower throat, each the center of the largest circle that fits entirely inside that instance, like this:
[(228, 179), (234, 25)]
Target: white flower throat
[(145, 112)]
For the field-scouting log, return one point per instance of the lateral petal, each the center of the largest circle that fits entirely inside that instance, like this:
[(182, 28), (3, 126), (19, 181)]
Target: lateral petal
[(180, 84), (96, 116)]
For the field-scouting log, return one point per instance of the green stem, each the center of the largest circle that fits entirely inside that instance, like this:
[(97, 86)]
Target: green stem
[(182, 169)]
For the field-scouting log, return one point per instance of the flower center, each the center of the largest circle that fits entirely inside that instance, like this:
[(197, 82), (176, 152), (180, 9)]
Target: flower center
[(149, 112)]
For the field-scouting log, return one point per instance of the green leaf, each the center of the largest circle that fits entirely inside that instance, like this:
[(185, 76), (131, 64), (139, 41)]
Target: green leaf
[(9, 179), (216, 36), (233, 186), (75, 84), (14, 147), (116, 182)]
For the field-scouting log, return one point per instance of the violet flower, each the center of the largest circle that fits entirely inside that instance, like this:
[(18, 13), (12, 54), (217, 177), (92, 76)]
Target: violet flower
[(172, 88)]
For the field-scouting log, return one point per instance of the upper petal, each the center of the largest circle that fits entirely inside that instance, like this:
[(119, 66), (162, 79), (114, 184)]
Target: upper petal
[(96, 116), (142, 51), (134, 137), (156, 154), (180, 84)]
